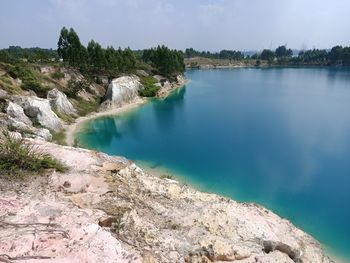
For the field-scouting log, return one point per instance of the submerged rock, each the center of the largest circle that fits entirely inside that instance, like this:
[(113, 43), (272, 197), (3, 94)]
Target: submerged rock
[(60, 103), (121, 91)]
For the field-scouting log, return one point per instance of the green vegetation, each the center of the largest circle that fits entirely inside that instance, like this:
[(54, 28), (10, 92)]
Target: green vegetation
[(86, 107), (59, 137), (15, 54), (74, 86), (223, 54), (29, 77), (337, 56), (167, 62), (18, 157), (57, 75), (93, 59), (150, 89)]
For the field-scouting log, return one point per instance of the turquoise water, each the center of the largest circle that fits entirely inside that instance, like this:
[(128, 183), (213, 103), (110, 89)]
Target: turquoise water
[(278, 137)]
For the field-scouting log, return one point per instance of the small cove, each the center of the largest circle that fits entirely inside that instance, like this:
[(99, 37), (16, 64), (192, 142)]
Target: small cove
[(278, 137)]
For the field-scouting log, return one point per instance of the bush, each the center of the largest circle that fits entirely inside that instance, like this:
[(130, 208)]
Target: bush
[(57, 75), (74, 86), (59, 137), (35, 86), (18, 156), (29, 79), (150, 89), (85, 107)]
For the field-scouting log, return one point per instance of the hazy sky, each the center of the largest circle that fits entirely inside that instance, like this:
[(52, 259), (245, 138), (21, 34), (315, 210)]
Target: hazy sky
[(202, 24)]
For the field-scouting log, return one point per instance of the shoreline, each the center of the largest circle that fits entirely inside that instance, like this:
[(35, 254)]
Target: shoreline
[(75, 127), (161, 172), (72, 129)]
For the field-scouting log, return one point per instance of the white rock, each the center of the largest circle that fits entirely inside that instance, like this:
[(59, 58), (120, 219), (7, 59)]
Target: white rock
[(121, 91), (39, 111), (43, 134), (3, 94), (15, 111), (59, 102)]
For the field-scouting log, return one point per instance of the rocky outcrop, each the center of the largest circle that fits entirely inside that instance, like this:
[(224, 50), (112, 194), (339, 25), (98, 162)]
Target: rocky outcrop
[(15, 111), (26, 130), (121, 91), (39, 111), (106, 209), (166, 87), (60, 103)]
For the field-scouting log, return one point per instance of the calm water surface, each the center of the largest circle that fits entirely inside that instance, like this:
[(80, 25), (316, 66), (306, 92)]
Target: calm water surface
[(279, 137)]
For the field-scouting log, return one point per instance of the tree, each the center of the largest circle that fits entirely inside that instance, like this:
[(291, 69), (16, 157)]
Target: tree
[(267, 54), (283, 52), (71, 49), (96, 55)]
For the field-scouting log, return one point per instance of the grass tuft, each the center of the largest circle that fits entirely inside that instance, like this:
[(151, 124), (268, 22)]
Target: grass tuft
[(18, 157), (59, 137)]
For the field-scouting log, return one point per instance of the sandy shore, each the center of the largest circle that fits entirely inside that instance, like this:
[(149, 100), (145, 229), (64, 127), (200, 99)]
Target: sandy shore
[(78, 124)]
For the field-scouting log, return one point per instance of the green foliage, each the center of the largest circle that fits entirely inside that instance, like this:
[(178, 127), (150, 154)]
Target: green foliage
[(57, 75), (15, 54), (30, 80), (267, 54), (18, 156), (339, 56), (166, 61), (223, 54), (86, 107), (35, 86), (74, 86), (71, 49), (65, 117), (150, 89), (283, 52), (59, 137), (96, 55)]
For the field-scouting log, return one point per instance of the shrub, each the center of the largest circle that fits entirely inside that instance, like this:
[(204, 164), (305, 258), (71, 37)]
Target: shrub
[(29, 79), (85, 107), (57, 75), (74, 86), (35, 86), (18, 156), (59, 137), (150, 89)]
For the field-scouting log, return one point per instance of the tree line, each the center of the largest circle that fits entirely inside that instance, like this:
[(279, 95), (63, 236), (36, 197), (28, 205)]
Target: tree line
[(338, 55), (223, 54), (167, 61), (94, 58)]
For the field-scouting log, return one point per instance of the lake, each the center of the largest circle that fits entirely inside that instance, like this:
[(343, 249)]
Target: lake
[(278, 136)]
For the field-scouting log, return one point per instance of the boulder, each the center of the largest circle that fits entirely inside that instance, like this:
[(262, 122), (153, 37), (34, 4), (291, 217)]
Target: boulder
[(39, 111), (60, 103), (15, 111), (3, 94), (26, 130), (121, 91)]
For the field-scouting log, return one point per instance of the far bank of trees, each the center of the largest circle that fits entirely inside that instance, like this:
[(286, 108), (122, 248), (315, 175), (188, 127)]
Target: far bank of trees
[(338, 55), (94, 58)]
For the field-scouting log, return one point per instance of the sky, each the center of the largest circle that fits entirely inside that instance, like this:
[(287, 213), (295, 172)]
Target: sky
[(201, 24)]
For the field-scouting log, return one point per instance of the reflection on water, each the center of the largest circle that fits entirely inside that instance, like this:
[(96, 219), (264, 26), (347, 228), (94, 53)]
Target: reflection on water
[(279, 137)]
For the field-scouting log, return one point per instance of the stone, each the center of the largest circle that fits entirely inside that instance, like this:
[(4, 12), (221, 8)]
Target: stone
[(121, 91), (60, 103), (3, 94), (39, 111), (209, 228), (15, 111)]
